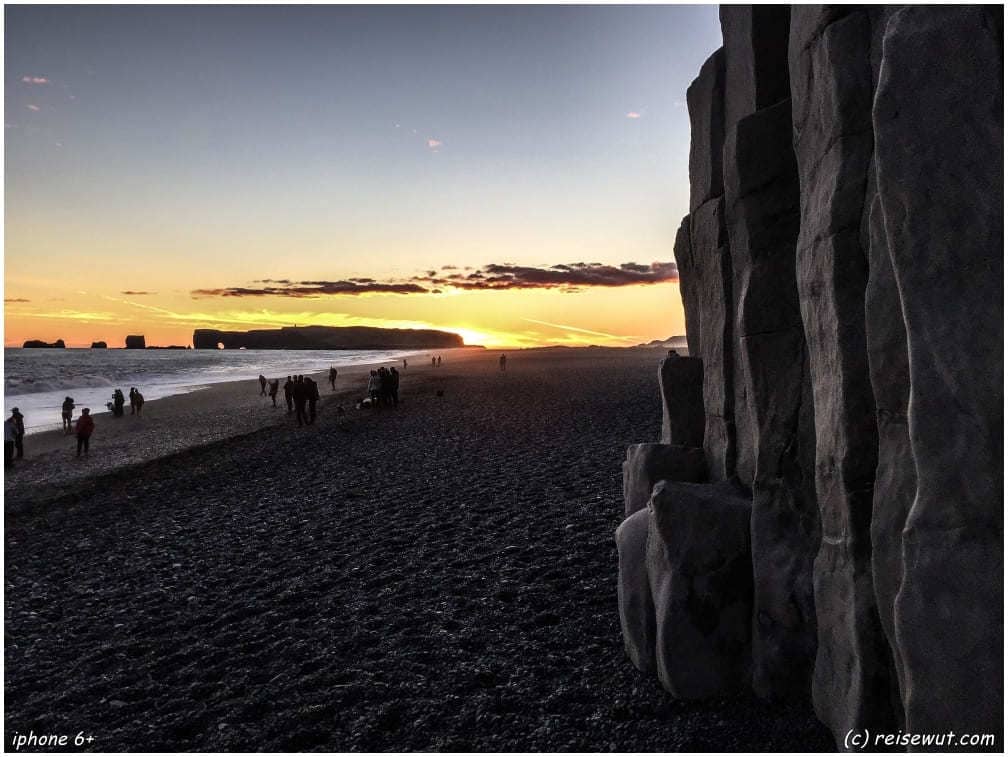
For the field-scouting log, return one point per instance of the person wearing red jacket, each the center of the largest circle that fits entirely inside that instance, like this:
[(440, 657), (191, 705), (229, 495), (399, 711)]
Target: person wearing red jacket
[(85, 427)]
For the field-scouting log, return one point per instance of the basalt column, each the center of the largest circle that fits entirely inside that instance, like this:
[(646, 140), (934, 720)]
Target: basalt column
[(775, 438), (831, 87)]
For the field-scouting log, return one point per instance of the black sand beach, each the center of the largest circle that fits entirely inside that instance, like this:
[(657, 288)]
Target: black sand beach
[(437, 577)]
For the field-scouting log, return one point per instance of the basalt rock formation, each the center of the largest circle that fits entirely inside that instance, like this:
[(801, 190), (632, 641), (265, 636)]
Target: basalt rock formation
[(841, 273), (99, 345), (136, 342), (326, 338)]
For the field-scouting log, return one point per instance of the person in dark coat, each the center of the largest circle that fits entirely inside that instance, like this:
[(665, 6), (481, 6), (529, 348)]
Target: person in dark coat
[(85, 427), (332, 377), (289, 395), (118, 403), (274, 387), (68, 408), (300, 393), (262, 385), (394, 387), (312, 393), (18, 432)]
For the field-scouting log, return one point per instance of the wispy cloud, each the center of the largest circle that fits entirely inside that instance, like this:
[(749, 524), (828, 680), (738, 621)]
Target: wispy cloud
[(633, 114), (565, 327), (35, 108), (135, 293), (34, 80), (15, 299), (75, 315), (310, 289)]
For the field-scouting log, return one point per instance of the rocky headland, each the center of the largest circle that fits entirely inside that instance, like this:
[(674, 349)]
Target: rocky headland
[(327, 338)]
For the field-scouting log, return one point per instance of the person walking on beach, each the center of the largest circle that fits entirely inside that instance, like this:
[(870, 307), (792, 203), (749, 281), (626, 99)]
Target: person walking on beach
[(289, 395), (300, 398), (313, 398), (433, 361), (85, 427), (372, 388), (262, 385), (404, 363), (438, 361), (332, 377), (394, 386), (503, 362), (138, 401), (10, 432), (274, 388), (18, 432), (132, 396), (68, 408)]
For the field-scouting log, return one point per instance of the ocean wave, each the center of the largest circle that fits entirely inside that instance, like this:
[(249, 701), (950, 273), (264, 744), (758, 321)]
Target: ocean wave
[(15, 385)]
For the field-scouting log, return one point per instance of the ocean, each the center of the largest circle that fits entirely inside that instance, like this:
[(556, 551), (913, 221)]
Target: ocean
[(37, 380)]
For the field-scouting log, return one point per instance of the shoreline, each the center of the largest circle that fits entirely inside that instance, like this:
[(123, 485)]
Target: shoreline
[(169, 425)]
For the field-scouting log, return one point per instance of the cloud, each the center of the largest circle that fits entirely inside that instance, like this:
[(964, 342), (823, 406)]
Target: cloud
[(35, 108), (434, 143), (135, 293), (566, 277), (565, 327), (633, 114), (34, 80), (310, 289), (16, 299)]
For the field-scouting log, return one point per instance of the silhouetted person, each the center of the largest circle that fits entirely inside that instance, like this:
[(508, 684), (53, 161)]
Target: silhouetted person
[(300, 398), (373, 385), (404, 363), (132, 395), (262, 385), (138, 401), (312, 393), (332, 377), (503, 362), (433, 361), (10, 433), (68, 408), (438, 361), (18, 432), (673, 353), (85, 427), (394, 387), (289, 395), (118, 403), (274, 388)]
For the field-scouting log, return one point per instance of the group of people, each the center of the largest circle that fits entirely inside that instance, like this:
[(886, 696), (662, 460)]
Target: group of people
[(435, 362), (383, 387), (117, 405), (302, 395), (14, 431)]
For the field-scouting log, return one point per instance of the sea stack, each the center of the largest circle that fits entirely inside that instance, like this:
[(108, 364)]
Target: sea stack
[(136, 342), (39, 344), (99, 345), (842, 278)]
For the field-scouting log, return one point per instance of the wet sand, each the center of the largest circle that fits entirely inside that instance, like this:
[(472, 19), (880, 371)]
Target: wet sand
[(437, 577)]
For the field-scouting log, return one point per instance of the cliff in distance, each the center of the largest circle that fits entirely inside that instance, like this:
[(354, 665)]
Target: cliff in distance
[(327, 338)]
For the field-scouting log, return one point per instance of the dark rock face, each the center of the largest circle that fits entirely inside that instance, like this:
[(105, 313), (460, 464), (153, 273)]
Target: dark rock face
[(647, 464), (939, 142), (698, 566), (99, 346), (681, 383), (136, 342), (841, 272), (636, 606), (326, 338), (39, 344)]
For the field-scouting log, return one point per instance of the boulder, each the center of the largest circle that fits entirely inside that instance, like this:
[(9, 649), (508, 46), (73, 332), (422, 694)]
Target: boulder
[(831, 87), (99, 345), (636, 608), (699, 570), (681, 383), (647, 464), (705, 101), (135, 342), (938, 120), (713, 272)]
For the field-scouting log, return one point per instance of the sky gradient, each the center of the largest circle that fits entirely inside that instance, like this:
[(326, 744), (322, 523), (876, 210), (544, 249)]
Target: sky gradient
[(516, 174)]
